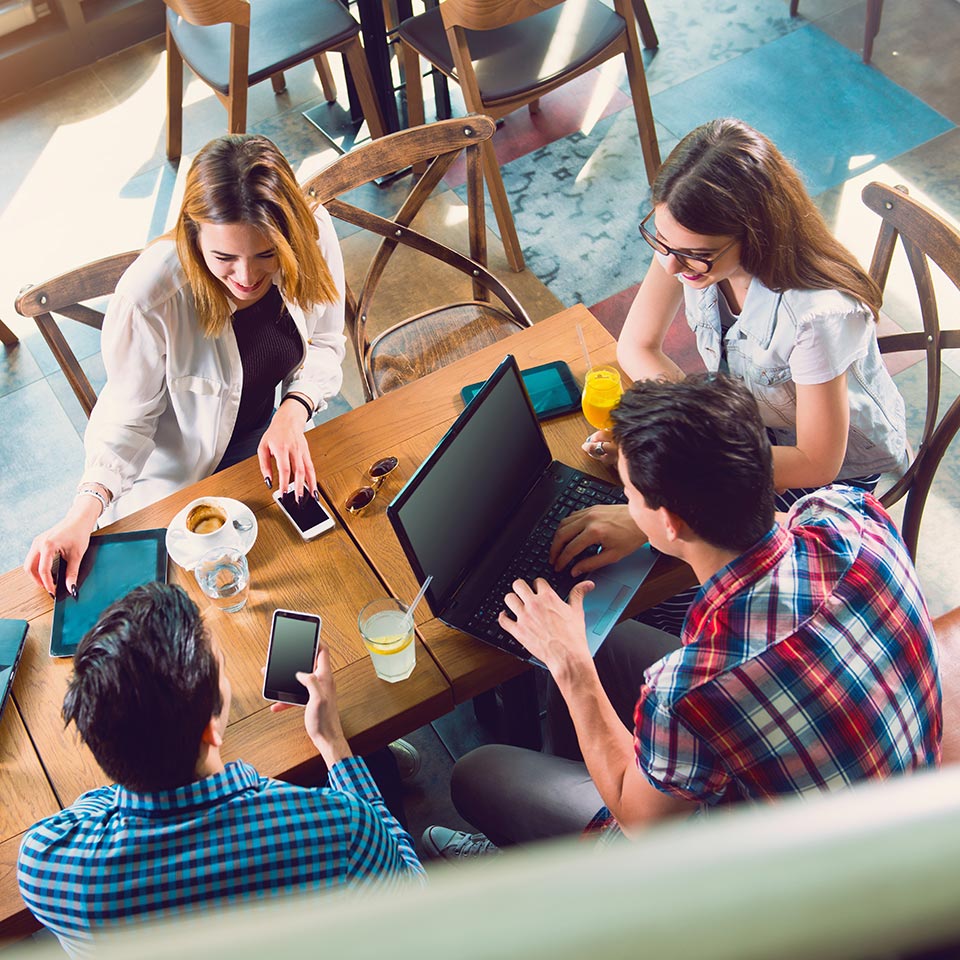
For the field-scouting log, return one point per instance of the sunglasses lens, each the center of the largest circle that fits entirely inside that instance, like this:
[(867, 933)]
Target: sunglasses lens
[(359, 499), (382, 467)]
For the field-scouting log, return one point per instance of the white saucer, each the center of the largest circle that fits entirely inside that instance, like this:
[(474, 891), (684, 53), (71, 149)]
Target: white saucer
[(186, 552)]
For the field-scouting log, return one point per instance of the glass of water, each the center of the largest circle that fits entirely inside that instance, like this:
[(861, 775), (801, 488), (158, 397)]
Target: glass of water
[(224, 577), (386, 627)]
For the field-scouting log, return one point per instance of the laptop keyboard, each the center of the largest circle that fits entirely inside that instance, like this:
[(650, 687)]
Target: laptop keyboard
[(533, 561)]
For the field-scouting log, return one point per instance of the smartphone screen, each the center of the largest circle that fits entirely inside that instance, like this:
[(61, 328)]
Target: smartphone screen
[(551, 387), (308, 516), (294, 639)]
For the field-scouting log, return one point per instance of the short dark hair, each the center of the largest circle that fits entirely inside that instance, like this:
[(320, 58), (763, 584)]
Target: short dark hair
[(699, 448), (145, 684)]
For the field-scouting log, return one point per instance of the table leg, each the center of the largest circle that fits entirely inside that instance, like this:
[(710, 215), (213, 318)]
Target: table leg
[(9, 338), (373, 26)]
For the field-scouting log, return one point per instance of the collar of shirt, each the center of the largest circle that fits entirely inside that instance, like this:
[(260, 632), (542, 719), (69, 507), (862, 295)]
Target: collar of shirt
[(235, 778)]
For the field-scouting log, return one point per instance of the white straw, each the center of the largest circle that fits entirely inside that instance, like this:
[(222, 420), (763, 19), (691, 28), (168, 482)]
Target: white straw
[(419, 596), (583, 346)]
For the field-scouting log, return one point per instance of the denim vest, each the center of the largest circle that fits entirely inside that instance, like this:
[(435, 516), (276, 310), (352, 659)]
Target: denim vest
[(758, 348)]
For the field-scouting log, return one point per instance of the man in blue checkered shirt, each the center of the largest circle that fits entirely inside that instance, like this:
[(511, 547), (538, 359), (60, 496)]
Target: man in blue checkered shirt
[(181, 830)]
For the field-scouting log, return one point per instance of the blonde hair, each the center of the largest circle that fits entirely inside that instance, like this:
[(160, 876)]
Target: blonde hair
[(244, 178), (726, 179)]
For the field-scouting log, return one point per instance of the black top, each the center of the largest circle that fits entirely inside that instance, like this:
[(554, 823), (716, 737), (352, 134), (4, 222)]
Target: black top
[(270, 347)]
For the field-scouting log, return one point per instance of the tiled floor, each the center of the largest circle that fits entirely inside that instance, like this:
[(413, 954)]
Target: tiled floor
[(84, 175)]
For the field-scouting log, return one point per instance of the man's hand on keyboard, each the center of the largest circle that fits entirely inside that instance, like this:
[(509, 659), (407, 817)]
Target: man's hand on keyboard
[(609, 527), (550, 629)]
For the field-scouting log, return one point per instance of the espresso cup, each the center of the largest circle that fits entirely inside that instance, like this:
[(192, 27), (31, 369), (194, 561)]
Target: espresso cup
[(205, 517)]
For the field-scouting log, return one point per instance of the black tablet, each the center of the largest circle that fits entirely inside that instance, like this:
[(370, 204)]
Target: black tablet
[(12, 635), (551, 387), (113, 565)]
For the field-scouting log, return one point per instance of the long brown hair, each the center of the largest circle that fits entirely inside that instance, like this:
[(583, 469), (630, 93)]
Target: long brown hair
[(244, 178), (726, 179)]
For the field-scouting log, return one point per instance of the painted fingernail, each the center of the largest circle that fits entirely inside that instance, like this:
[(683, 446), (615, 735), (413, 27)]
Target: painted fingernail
[(268, 482), (52, 595), (316, 495), (74, 592)]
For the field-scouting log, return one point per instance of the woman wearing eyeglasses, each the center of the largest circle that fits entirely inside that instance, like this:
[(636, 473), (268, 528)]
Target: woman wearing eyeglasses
[(774, 300), (243, 295)]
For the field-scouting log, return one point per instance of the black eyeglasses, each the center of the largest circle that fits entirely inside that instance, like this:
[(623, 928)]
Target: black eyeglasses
[(699, 264), (378, 472)]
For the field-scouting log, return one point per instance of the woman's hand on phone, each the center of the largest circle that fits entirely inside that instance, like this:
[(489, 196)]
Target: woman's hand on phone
[(285, 442)]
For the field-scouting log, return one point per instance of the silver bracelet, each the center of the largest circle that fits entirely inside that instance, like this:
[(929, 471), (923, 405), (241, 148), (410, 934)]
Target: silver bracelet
[(87, 492)]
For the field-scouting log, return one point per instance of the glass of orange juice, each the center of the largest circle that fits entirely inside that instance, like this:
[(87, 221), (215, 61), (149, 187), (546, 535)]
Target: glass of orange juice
[(602, 390)]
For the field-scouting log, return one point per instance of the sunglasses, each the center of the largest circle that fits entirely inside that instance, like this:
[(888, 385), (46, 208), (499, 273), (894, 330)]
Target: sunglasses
[(362, 497), (697, 264)]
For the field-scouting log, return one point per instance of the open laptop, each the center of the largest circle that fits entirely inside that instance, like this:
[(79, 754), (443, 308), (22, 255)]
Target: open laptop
[(481, 512)]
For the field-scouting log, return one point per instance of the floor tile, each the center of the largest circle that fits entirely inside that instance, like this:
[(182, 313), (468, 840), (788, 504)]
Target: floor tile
[(697, 35), (849, 119), (576, 203), (42, 457), (93, 368), (18, 367)]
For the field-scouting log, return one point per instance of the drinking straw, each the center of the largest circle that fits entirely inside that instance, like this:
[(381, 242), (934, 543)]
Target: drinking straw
[(583, 346), (419, 596)]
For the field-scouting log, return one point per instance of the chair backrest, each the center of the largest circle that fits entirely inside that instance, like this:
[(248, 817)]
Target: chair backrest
[(490, 14), (925, 237), (205, 13), (441, 144), (65, 296)]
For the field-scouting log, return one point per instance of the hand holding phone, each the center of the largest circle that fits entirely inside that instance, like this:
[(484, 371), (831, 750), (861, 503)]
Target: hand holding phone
[(308, 517), (294, 642)]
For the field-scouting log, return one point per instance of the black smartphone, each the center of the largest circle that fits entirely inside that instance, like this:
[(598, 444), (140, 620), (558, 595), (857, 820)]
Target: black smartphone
[(551, 387), (307, 516), (294, 641)]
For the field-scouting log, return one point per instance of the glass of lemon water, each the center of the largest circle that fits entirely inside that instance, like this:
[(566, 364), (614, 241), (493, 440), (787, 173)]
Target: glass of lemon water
[(602, 390), (386, 626)]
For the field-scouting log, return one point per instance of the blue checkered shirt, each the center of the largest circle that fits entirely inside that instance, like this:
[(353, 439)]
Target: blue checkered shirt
[(115, 856)]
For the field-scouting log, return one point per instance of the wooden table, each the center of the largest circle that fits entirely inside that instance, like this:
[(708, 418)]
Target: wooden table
[(408, 423), (45, 767)]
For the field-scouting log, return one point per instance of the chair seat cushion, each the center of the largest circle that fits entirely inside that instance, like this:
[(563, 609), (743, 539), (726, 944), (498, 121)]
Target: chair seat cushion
[(517, 59), (283, 33), (423, 344)]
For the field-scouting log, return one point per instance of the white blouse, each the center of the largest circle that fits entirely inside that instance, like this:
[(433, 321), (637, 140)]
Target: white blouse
[(167, 412)]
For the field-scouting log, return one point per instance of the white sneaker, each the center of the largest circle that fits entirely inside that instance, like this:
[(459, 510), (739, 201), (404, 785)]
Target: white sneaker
[(442, 843)]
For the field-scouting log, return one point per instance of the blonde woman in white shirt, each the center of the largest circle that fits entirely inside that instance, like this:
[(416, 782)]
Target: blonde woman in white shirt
[(244, 294)]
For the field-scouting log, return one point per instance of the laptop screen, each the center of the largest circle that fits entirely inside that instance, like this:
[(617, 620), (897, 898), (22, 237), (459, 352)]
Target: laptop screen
[(466, 490)]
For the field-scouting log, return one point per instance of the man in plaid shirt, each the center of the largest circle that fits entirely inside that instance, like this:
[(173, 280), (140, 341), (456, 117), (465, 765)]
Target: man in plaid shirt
[(181, 830), (807, 660)]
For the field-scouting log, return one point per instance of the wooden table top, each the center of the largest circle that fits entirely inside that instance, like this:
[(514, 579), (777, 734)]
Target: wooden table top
[(408, 423)]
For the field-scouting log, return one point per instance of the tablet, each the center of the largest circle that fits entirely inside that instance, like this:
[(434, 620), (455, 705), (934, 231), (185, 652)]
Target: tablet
[(12, 635), (551, 387), (113, 565)]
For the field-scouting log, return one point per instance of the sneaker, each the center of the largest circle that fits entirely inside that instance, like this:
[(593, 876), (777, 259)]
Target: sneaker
[(407, 757), (441, 843)]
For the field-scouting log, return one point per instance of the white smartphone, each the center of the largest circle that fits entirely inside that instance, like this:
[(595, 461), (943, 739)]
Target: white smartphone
[(294, 641), (308, 517)]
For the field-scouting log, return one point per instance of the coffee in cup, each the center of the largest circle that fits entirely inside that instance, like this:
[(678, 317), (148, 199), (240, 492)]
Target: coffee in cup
[(205, 517)]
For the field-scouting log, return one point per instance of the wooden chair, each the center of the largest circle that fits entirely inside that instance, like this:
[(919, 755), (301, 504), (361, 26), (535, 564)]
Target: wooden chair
[(925, 237), (871, 26), (7, 337), (507, 54), (420, 344), (233, 44), (65, 296)]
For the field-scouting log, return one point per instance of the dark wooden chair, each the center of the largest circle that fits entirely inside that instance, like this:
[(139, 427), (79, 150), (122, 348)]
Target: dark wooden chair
[(506, 54), (65, 297), (233, 44), (871, 26), (7, 337), (925, 236), (418, 345)]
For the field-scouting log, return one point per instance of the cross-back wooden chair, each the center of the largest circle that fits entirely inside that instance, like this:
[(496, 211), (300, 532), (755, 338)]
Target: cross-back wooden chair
[(925, 236), (233, 44), (418, 345), (65, 296), (506, 54)]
